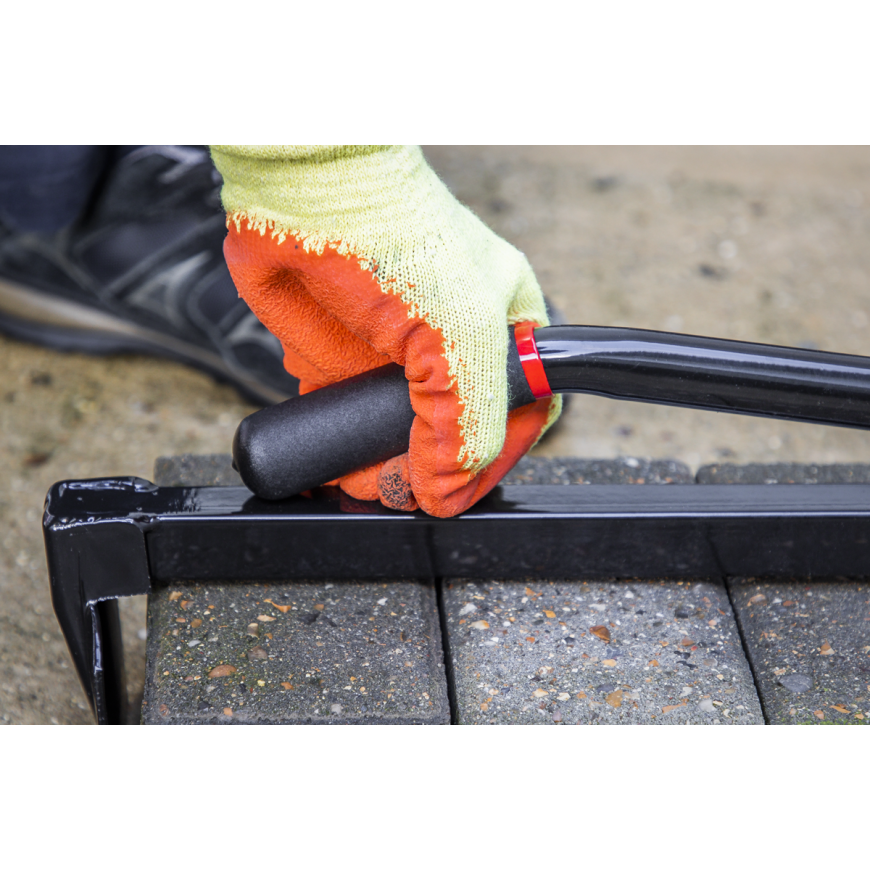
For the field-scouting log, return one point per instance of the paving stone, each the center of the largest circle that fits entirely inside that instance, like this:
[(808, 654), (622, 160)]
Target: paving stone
[(568, 470), (808, 640), (341, 653), (210, 469), (524, 653), (784, 472), (809, 644), (527, 653), (216, 470)]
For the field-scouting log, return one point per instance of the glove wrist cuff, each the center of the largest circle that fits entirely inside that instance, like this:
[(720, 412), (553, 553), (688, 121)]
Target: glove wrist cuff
[(292, 153), (313, 190)]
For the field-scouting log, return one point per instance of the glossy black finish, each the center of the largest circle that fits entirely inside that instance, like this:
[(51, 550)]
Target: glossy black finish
[(712, 374), (106, 539), (95, 548), (301, 443)]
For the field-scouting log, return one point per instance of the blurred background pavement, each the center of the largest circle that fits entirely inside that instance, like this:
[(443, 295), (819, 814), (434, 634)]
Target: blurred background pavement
[(767, 244)]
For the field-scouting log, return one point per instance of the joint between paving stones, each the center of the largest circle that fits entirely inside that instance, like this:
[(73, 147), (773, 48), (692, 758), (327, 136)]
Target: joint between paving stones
[(445, 650), (746, 652)]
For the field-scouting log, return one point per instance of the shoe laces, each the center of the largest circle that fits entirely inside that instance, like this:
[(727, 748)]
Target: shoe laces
[(185, 158)]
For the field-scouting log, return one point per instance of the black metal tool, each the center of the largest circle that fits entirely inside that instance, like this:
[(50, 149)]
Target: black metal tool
[(302, 443), (106, 539)]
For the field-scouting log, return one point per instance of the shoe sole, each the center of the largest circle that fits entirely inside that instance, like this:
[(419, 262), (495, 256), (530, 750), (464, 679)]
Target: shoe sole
[(40, 318)]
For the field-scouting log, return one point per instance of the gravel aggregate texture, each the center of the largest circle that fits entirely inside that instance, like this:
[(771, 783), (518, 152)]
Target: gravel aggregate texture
[(297, 653), (211, 469), (336, 653), (784, 472), (568, 470), (808, 639), (609, 652), (809, 644)]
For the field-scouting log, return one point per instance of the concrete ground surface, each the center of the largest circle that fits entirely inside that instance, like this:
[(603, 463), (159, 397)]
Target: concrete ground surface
[(762, 244)]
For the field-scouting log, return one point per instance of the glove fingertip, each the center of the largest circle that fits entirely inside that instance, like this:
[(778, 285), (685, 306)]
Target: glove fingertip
[(394, 484)]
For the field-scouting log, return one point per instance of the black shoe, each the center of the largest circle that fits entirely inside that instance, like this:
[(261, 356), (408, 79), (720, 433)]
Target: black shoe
[(143, 271)]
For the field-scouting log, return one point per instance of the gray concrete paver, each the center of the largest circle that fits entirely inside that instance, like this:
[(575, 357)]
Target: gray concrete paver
[(202, 469), (784, 472), (338, 653), (538, 652), (809, 643), (808, 639), (295, 653), (610, 651), (566, 470)]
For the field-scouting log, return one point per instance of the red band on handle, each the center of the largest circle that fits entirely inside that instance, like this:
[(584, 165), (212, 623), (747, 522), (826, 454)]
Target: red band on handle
[(533, 367)]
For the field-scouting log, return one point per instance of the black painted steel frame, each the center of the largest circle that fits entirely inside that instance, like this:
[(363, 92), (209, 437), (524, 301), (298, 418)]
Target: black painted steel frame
[(110, 538)]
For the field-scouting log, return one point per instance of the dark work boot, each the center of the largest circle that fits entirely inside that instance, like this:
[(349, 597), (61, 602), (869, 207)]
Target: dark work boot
[(143, 271)]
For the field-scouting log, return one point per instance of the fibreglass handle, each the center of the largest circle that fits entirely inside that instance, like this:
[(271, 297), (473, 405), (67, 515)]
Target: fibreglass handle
[(305, 442), (308, 441)]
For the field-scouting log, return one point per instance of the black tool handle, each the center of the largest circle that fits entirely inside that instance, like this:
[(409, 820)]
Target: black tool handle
[(712, 374), (305, 442)]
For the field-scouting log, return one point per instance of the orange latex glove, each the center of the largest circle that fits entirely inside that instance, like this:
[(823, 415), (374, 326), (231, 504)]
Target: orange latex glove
[(357, 257)]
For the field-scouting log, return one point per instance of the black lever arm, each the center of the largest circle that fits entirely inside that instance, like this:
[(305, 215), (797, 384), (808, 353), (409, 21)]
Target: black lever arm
[(302, 443)]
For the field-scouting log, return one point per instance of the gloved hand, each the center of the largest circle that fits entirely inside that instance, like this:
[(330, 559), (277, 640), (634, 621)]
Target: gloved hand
[(359, 256)]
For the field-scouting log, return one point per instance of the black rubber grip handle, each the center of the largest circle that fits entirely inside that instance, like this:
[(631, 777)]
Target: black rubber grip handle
[(308, 441)]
